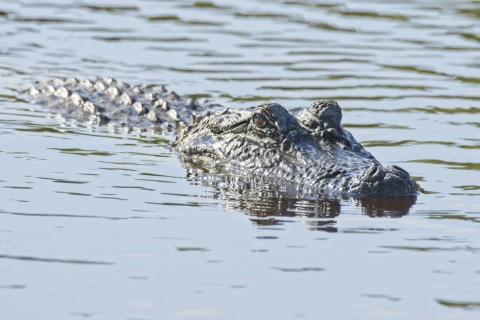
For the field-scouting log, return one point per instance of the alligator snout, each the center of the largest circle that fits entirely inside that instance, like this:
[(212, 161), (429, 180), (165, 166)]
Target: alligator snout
[(384, 181), (373, 173)]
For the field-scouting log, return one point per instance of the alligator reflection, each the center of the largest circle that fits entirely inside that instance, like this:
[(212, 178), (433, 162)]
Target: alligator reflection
[(266, 200)]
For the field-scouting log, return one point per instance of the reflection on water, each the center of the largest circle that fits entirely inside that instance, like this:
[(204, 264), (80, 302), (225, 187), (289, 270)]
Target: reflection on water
[(467, 305), (54, 260), (259, 198)]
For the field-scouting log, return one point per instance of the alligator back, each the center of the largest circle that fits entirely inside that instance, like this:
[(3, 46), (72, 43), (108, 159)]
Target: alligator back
[(107, 101)]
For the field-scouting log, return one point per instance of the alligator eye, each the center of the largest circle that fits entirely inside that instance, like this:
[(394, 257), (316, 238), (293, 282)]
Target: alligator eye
[(260, 121)]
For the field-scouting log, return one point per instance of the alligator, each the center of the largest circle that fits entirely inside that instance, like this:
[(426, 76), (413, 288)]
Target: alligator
[(305, 149)]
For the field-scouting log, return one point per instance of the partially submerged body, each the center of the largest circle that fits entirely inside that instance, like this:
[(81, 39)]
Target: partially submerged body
[(306, 148), (111, 102)]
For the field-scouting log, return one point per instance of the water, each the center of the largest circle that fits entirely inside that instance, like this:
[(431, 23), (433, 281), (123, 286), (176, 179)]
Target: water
[(104, 225)]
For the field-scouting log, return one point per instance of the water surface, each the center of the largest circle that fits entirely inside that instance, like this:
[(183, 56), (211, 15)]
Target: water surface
[(108, 225)]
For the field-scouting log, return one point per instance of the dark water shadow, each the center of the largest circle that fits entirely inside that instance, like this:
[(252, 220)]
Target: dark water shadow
[(70, 261), (265, 200)]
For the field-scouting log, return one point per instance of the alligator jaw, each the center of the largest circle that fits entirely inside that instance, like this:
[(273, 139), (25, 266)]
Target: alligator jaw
[(391, 181)]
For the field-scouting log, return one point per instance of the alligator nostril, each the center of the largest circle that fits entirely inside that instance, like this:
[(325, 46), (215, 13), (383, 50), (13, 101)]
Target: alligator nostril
[(396, 170), (373, 173)]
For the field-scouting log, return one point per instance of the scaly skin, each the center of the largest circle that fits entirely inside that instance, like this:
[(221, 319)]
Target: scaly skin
[(306, 148), (116, 103)]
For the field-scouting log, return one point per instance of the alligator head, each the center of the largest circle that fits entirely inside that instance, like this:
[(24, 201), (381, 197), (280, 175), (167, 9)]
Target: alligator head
[(306, 147)]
